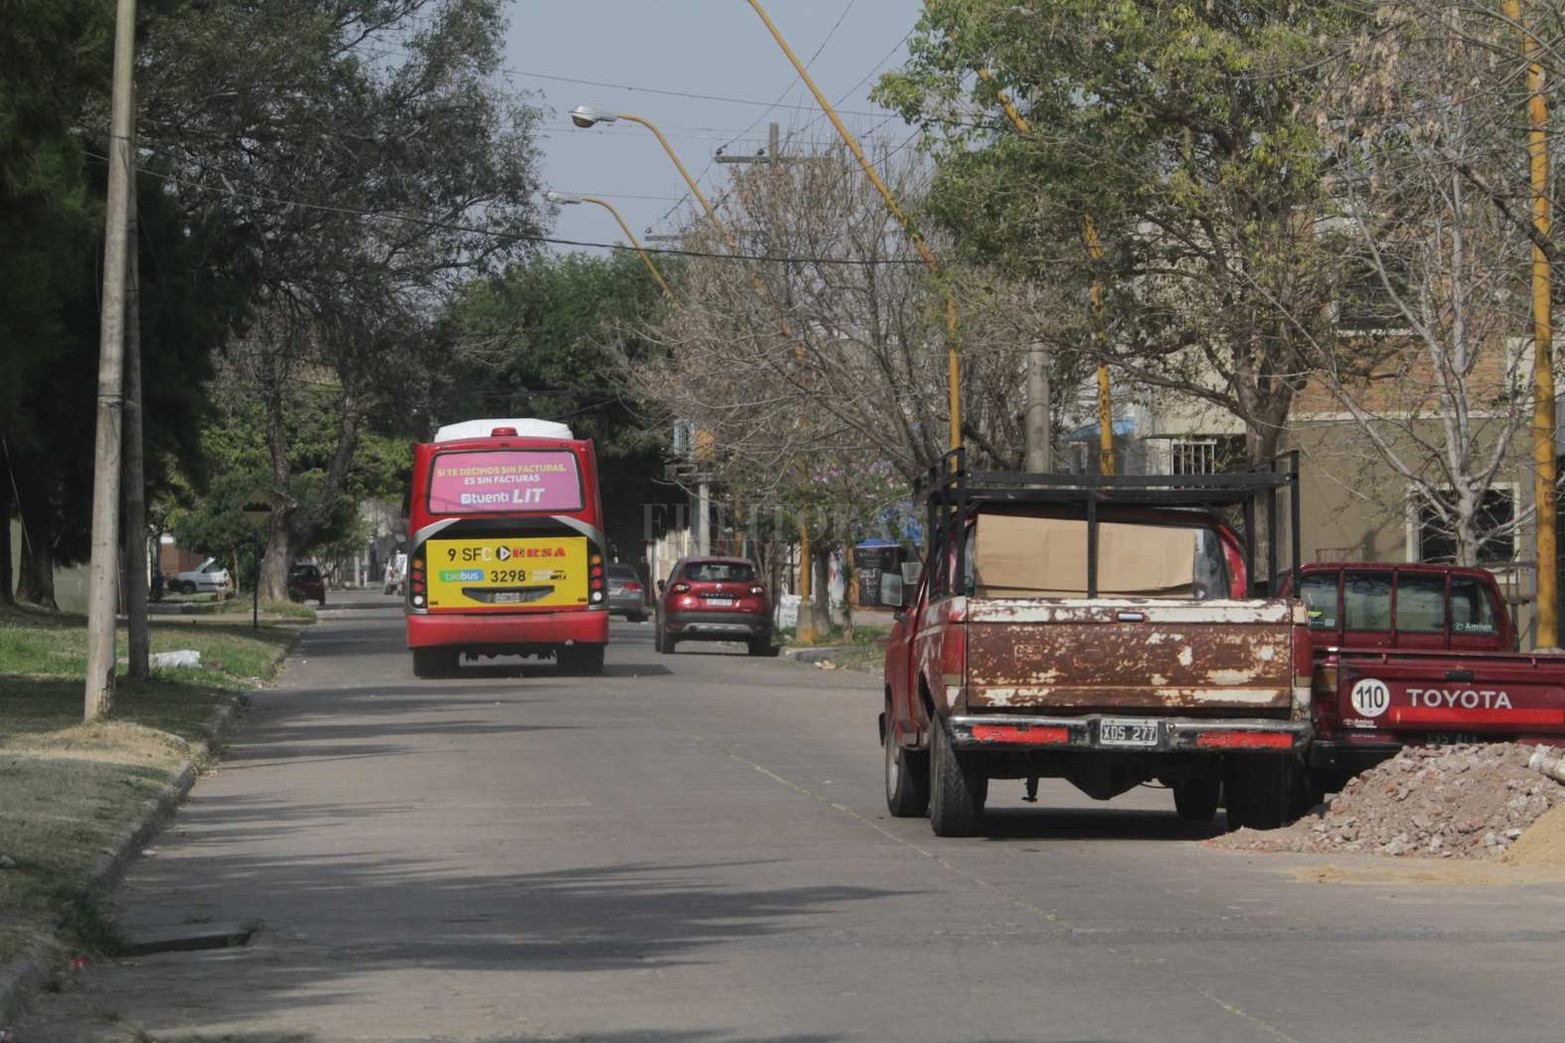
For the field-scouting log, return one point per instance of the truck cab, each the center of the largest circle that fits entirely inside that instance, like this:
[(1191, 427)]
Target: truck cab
[(1418, 654)]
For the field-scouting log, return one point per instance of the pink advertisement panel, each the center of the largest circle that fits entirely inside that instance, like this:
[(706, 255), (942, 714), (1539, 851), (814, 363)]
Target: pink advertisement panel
[(505, 481)]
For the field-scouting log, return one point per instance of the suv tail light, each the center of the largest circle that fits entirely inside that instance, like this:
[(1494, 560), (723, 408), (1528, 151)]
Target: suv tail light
[(757, 590), (680, 588)]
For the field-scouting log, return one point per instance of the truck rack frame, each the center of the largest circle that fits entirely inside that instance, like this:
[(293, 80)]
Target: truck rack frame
[(951, 493)]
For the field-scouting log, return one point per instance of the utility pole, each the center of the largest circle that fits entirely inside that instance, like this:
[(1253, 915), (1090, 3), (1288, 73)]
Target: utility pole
[(1543, 419), (809, 626), (1100, 341), (140, 638), (111, 346), (1035, 434)]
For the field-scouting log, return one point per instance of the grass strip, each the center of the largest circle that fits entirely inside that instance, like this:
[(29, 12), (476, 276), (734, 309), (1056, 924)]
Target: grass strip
[(69, 788)]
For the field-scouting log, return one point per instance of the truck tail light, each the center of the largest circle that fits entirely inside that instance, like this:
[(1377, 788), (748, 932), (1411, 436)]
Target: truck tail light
[(1022, 734), (1303, 656), (1244, 740)]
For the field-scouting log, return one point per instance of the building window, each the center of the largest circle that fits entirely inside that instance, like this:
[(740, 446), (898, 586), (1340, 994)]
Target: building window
[(1193, 456), (1494, 523), (1205, 454)]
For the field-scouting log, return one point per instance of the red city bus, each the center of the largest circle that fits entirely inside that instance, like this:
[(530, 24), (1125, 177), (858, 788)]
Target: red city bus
[(505, 547)]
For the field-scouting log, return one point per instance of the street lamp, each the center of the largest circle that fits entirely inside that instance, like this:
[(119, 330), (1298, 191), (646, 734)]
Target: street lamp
[(564, 200), (585, 116)]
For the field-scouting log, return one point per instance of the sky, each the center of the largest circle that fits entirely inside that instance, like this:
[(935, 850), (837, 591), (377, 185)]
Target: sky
[(651, 58)]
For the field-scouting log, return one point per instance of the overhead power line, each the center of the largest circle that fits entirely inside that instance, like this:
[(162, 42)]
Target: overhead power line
[(520, 237)]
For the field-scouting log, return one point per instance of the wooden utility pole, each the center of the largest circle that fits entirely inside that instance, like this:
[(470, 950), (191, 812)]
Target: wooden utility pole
[(140, 638), (101, 602)]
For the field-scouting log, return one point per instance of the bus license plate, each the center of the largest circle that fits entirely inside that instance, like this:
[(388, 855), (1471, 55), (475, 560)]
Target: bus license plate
[(507, 597), (1112, 732)]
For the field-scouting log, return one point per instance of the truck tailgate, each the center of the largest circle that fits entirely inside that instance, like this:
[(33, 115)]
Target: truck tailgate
[(1435, 694), (1207, 658)]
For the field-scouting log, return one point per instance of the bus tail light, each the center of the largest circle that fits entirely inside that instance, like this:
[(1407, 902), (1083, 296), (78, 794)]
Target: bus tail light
[(595, 580), (418, 584)]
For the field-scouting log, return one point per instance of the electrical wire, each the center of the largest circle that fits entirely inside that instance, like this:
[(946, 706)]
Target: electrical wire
[(520, 237)]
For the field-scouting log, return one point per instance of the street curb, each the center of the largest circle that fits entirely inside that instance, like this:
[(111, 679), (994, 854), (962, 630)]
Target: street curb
[(33, 968), (809, 653)]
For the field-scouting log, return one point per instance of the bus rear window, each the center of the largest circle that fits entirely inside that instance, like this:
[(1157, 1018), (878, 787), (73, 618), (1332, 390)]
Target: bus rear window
[(504, 481)]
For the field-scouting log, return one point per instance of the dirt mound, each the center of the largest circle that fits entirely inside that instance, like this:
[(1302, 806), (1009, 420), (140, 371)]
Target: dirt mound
[(1435, 802)]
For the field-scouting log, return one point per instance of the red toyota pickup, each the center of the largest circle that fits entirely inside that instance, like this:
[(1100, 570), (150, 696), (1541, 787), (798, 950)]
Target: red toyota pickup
[(1101, 630), (1409, 654)]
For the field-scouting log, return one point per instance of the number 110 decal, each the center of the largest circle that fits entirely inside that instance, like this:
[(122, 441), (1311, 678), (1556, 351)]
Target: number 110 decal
[(1371, 698)]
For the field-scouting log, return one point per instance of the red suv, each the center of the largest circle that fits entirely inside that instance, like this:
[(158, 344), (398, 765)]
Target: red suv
[(714, 599)]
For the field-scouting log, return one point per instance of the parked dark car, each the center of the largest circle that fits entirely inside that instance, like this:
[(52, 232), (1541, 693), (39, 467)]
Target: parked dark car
[(627, 594), (714, 599), (305, 583)]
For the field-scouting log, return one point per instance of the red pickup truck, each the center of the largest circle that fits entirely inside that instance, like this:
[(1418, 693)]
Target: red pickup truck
[(1102, 630), (1409, 654)]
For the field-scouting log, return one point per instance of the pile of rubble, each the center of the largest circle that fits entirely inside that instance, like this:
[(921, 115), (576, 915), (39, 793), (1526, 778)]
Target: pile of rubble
[(1433, 802)]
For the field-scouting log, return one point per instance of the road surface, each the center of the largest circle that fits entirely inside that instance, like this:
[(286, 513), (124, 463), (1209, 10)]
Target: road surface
[(695, 848)]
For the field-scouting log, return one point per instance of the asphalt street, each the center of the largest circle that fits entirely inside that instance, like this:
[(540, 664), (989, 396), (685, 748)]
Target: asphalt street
[(695, 848)]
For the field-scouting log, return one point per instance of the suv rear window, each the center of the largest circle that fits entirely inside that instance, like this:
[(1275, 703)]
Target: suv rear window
[(718, 572)]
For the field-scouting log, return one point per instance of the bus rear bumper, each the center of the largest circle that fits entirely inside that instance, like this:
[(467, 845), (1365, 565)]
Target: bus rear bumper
[(496, 634)]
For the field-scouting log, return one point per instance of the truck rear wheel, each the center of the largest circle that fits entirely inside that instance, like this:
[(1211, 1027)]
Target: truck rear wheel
[(1263, 791), (907, 780), (1196, 799), (957, 789)]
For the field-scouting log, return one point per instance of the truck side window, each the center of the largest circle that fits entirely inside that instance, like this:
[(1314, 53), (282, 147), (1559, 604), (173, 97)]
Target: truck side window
[(1366, 601), (1319, 592), (1472, 609), (1421, 604)]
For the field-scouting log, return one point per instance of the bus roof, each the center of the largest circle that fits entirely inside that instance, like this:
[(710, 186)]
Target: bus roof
[(525, 427)]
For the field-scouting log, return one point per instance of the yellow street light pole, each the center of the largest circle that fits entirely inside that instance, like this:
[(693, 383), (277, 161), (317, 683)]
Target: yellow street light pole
[(1543, 419), (953, 355), (646, 259)]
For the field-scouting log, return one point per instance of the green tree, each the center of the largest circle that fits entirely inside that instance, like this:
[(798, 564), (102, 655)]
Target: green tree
[(1183, 131), (55, 56), (366, 158)]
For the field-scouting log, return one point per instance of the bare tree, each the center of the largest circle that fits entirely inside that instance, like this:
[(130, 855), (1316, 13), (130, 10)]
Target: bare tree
[(818, 368), (1432, 355)]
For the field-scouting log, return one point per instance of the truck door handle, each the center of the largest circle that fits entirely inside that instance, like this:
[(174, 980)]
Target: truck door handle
[(1131, 617), (1458, 675)]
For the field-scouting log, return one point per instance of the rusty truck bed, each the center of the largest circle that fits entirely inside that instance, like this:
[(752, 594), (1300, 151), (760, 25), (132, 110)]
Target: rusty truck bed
[(1151, 656)]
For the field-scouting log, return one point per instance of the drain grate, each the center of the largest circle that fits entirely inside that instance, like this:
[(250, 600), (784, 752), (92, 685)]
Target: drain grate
[(190, 938)]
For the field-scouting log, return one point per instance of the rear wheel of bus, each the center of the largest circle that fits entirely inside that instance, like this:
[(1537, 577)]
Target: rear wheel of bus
[(435, 662), (581, 659)]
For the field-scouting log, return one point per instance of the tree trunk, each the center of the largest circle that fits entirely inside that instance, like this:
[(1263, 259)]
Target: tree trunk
[(7, 571), (36, 586)]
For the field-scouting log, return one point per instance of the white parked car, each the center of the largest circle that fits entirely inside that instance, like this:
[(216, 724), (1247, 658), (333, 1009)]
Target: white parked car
[(207, 578)]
